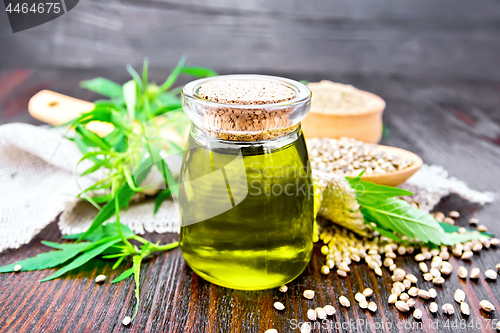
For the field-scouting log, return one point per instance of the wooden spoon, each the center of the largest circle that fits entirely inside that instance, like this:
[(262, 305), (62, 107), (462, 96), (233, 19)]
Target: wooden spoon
[(58, 109), (397, 177)]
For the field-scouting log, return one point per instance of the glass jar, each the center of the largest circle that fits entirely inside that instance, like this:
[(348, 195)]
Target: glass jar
[(246, 194)]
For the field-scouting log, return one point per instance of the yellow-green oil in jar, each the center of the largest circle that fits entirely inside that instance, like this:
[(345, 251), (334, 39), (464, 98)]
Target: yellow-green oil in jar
[(255, 241)]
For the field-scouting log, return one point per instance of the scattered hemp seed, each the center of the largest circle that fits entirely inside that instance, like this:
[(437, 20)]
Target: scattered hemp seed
[(445, 255), (367, 292), (402, 306), (413, 291), (407, 283), (363, 304), (392, 298), (355, 257), (487, 306), (126, 321), (424, 294), (320, 313), (436, 262), (344, 301), (494, 242), (433, 307), (404, 297), (341, 273), (325, 270), (279, 306), (474, 273), (457, 252), (497, 266), (464, 307), (417, 314), (400, 286), (459, 296), (477, 247), (467, 255), (435, 272), (373, 264), (100, 278), (446, 269), (439, 216), (283, 288), (398, 275), (449, 220), (490, 274), (438, 280), (428, 276), (372, 306), (473, 221), (412, 278), (387, 262), (311, 314), (462, 272), (359, 297), (486, 243), (411, 302), (17, 268), (329, 309), (396, 290), (432, 293), (448, 309), (309, 294), (391, 255), (420, 257), (454, 214), (305, 328), (423, 267), (482, 228)]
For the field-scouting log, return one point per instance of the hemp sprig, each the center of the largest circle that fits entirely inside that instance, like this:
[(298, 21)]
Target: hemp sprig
[(394, 218), (139, 111)]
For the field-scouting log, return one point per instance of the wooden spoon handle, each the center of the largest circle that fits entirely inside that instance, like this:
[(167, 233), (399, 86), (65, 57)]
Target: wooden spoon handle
[(57, 109)]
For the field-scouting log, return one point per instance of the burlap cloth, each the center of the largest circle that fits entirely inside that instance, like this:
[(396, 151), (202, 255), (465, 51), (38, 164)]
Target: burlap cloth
[(37, 184)]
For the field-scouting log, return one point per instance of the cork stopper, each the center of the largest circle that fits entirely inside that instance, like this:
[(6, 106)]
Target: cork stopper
[(246, 107), (246, 92)]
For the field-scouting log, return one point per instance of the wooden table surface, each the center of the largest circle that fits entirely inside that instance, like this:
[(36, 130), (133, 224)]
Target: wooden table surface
[(448, 122)]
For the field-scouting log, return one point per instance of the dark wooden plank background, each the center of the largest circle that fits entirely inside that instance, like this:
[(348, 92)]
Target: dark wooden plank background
[(453, 123), (446, 38)]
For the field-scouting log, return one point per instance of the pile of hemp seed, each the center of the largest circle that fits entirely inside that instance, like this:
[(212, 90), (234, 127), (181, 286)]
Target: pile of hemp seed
[(346, 156)]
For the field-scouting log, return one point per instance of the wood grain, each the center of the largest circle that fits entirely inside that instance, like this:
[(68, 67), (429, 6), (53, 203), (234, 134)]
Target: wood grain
[(334, 37), (453, 123)]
